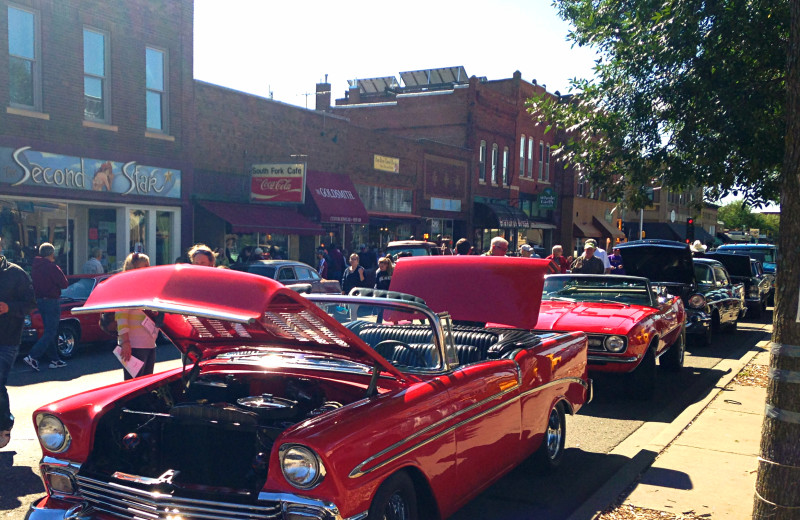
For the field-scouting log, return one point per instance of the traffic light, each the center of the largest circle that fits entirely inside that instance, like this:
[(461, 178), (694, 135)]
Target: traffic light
[(689, 230)]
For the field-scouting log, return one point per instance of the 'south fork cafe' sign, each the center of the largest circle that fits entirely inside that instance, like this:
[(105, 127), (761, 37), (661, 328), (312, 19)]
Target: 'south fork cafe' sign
[(278, 183)]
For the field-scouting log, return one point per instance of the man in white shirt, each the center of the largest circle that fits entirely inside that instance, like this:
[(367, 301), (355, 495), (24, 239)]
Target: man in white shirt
[(93, 265)]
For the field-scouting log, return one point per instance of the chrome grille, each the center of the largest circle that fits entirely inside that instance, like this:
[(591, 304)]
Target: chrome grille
[(136, 504)]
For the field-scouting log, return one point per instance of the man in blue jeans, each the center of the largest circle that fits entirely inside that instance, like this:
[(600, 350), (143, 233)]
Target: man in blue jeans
[(16, 300), (48, 280)]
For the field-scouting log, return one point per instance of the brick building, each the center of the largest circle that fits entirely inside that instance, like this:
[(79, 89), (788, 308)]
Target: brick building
[(513, 187), (93, 135)]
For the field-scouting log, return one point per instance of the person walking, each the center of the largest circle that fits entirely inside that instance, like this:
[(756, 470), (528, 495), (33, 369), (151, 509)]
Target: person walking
[(383, 276), (336, 262), (200, 254), (94, 265), (136, 332), (48, 280), (17, 298), (526, 251), (322, 263), (353, 275), (463, 247)]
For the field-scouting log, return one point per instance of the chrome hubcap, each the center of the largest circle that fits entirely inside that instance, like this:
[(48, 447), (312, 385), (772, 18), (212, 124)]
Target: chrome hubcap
[(396, 508), (66, 343), (553, 435)]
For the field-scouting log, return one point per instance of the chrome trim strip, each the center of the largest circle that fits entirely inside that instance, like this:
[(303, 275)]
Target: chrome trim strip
[(612, 360), (288, 499), (148, 305), (357, 470)]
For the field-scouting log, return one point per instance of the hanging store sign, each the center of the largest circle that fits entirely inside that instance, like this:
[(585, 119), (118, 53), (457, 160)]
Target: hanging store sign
[(386, 164), (547, 199), (28, 167), (278, 182)]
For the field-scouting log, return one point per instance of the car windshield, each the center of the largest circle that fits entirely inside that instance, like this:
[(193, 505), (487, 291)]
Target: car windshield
[(403, 336), (605, 288), (765, 255), (78, 289)]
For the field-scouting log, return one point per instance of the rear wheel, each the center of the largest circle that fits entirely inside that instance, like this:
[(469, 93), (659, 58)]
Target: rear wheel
[(396, 499), (672, 359), (642, 381), (67, 340), (552, 449)]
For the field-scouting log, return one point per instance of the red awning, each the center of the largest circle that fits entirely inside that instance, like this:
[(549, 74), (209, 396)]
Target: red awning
[(257, 218), (336, 198)]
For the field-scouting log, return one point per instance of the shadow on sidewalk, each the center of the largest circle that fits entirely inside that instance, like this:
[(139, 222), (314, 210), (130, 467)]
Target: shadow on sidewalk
[(16, 482)]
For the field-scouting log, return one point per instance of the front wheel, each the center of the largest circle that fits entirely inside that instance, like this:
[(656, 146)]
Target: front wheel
[(551, 452), (67, 341), (396, 499), (672, 359)]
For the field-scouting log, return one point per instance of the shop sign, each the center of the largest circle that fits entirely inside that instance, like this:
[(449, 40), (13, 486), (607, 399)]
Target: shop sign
[(28, 167), (278, 182), (547, 199), (386, 164)]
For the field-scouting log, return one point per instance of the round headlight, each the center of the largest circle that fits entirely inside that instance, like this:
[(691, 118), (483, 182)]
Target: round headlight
[(615, 343), (52, 433), (697, 301), (301, 466)]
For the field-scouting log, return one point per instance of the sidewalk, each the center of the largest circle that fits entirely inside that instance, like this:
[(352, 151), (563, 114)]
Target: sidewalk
[(704, 466)]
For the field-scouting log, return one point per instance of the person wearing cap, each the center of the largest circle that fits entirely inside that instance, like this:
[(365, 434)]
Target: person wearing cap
[(698, 249), (258, 254), (588, 263), (526, 251), (602, 255)]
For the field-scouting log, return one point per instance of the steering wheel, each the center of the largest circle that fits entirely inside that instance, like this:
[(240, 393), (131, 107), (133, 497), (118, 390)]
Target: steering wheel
[(383, 347)]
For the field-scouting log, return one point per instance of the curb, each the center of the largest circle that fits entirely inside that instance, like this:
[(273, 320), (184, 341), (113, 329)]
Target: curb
[(644, 445)]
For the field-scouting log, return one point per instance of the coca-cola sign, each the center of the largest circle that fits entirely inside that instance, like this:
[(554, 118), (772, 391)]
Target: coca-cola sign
[(278, 183)]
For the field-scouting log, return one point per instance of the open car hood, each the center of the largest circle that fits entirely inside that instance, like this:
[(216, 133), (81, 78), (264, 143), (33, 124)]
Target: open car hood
[(660, 261), (736, 265), (503, 291), (216, 310)]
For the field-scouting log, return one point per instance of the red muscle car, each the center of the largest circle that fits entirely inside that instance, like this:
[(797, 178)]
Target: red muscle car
[(72, 329), (379, 405), (629, 325)]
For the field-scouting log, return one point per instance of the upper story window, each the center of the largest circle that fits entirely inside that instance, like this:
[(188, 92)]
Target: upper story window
[(581, 191), (505, 166), (24, 65), (547, 165), (541, 157), (95, 76), (522, 157), (530, 157), (482, 162), (157, 101), (494, 163)]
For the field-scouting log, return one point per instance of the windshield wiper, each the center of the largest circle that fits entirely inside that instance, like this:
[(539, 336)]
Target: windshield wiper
[(562, 299), (612, 301)]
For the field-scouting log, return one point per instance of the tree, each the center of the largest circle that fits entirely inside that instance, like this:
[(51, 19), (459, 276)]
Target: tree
[(738, 215), (701, 93)]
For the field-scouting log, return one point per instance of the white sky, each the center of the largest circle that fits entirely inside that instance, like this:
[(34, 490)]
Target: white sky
[(287, 47)]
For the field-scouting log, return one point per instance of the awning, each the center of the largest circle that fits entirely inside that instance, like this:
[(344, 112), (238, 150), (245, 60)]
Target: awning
[(501, 216), (608, 228), (585, 231), (258, 218), (336, 198)]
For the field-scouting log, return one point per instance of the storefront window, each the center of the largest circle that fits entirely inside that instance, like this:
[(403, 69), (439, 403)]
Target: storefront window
[(138, 228), (24, 225), (103, 235), (163, 237)]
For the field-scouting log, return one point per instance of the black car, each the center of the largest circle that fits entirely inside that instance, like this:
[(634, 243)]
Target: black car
[(669, 266), (291, 273), (724, 296), (750, 272)]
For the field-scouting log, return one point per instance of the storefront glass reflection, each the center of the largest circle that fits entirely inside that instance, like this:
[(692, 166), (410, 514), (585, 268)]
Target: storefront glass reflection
[(26, 224), (138, 228), (163, 237)]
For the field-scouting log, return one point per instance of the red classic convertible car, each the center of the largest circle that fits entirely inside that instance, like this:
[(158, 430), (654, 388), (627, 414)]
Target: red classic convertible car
[(372, 405), (628, 324), (72, 329)]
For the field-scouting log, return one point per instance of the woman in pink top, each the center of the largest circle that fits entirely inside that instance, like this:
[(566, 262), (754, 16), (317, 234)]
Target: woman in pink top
[(136, 333)]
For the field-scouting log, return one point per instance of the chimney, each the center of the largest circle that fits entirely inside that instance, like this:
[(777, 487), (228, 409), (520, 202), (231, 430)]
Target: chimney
[(355, 93), (324, 96)]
